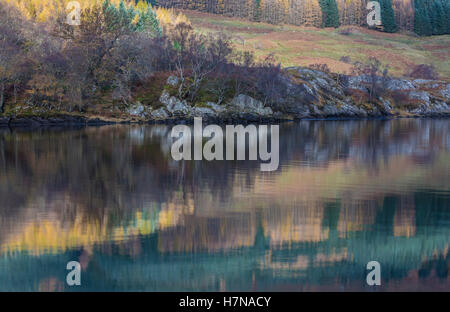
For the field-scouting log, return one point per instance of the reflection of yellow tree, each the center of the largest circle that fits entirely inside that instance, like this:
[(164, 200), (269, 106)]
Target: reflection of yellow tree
[(291, 224), (299, 222), (39, 213), (52, 235), (405, 218)]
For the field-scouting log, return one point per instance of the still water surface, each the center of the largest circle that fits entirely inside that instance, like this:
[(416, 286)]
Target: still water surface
[(112, 198)]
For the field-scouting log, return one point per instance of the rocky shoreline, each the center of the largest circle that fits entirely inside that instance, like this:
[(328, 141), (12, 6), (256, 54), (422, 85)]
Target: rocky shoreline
[(309, 94), (81, 121)]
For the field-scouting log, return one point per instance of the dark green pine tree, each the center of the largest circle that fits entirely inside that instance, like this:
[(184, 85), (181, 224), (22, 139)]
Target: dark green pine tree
[(333, 14), (441, 23), (446, 5), (422, 23), (442, 8), (387, 16), (257, 14), (330, 14), (433, 15), (437, 16)]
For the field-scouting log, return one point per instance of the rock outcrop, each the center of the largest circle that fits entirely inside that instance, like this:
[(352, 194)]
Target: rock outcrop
[(241, 107), (246, 104), (138, 110), (310, 93), (159, 114)]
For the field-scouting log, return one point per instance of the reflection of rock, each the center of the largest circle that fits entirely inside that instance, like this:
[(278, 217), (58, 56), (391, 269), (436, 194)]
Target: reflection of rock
[(4, 121), (51, 284), (330, 258), (137, 135), (159, 131)]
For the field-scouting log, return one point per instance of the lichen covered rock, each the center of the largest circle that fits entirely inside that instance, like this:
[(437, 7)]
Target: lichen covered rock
[(138, 110), (246, 104)]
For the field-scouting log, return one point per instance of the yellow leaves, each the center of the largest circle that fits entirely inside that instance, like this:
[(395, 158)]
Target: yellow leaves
[(165, 16), (220, 5), (49, 236), (181, 18), (43, 10), (168, 18), (54, 236), (43, 83), (42, 16), (142, 6), (135, 19)]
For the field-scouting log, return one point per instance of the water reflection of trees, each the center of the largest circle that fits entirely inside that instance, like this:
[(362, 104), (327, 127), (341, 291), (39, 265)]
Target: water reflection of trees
[(334, 261), (104, 175), (381, 191)]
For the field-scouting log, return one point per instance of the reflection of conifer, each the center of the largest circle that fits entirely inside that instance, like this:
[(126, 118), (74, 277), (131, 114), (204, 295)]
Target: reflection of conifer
[(385, 218), (261, 242), (331, 216)]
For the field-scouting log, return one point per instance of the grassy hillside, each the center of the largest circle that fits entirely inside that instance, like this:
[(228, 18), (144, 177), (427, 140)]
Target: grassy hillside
[(299, 45)]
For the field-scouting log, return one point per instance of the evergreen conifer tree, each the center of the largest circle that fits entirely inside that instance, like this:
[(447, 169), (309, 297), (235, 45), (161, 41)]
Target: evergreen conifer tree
[(440, 25), (422, 22), (330, 14), (387, 16)]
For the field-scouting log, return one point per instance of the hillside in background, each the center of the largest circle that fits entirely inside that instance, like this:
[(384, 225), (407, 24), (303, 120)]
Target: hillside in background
[(338, 48), (425, 17)]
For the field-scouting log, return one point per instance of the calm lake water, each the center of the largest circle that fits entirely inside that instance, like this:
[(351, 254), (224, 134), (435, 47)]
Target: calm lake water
[(112, 198)]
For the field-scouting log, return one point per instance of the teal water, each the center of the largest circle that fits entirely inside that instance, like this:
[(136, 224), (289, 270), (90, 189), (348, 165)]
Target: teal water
[(112, 198)]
